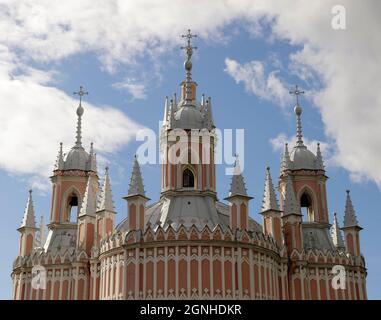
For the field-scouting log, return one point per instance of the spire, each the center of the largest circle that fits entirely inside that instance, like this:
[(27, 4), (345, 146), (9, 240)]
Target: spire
[(40, 237), (80, 111), (171, 115), (298, 111), (106, 202), (203, 99), (286, 160), (208, 114), (29, 218), (336, 234), (88, 206), (269, 201), (136, 183), (60, 161), (92, 159), (319, 158), (165, 118), (175, 99), (350, 219), (188, 64), (237, 186), (290, 205)]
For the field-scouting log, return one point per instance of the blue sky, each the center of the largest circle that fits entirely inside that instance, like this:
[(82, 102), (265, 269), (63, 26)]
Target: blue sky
[(246, 61)]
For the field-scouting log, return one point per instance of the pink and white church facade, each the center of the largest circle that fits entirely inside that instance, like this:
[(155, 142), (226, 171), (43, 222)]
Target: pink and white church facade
[(188, 244)]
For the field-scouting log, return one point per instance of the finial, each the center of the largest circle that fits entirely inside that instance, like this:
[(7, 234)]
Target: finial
[(296, 92), (80, 110), (319, 158), (298, 111), (203, 99), (350, 219), (269, 201), (105, 197), (188, 63), (29, 219), (80, 93), (336, 234)]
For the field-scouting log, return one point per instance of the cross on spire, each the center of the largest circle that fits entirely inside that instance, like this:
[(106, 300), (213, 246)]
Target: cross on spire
[(188, 63), (80, 93), (296, 92), (189, 36)]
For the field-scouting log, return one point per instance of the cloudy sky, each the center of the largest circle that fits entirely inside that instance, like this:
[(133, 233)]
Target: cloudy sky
[(126, 54)]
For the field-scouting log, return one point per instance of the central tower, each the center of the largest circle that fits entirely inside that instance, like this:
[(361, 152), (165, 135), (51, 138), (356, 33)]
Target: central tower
[(187, 144)]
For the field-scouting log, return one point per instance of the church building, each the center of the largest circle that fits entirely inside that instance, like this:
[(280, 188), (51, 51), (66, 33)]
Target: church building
[(188, 244)]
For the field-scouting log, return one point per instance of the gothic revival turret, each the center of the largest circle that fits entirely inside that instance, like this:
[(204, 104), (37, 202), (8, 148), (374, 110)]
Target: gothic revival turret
[(136, 199), (238, 200), (70, 175), (270, 211), (105, 209), (304, 171), (28, 229), (337, 237), (351, 228), (187, 145)]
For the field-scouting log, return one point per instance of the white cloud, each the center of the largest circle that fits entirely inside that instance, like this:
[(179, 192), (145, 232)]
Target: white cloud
[(252, 74), (35, 117), (343, 67), (136, 90)]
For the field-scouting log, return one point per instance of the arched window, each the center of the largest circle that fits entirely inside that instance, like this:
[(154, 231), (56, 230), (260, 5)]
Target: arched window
[(306, 207), (72, 208), (188, 179)]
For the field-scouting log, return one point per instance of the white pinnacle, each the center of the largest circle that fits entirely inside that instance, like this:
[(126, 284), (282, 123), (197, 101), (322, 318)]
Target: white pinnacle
[(88, 206), (319, 158), (290, 205), (60, 161), (350, 219), (106, 202), (29, 218), (165, 118), (336, 234), (286, 161), (237, 186), (269, 201), (136, 186)]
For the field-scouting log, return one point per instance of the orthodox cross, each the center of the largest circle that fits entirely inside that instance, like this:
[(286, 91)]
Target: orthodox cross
[(80, 93), (296, 92), (189, 48)]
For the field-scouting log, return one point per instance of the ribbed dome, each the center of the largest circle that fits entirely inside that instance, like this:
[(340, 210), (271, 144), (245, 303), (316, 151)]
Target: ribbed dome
[(77, 159), (302, 158), (189, 116)]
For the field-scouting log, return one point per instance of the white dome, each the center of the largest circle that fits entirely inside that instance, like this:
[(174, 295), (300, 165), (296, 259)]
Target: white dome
[(189, 116), (77, 159), (302, 158)]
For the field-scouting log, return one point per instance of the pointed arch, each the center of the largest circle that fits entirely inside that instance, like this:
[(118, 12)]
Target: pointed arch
[(71, 199), (188, 177), (308, 203)]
